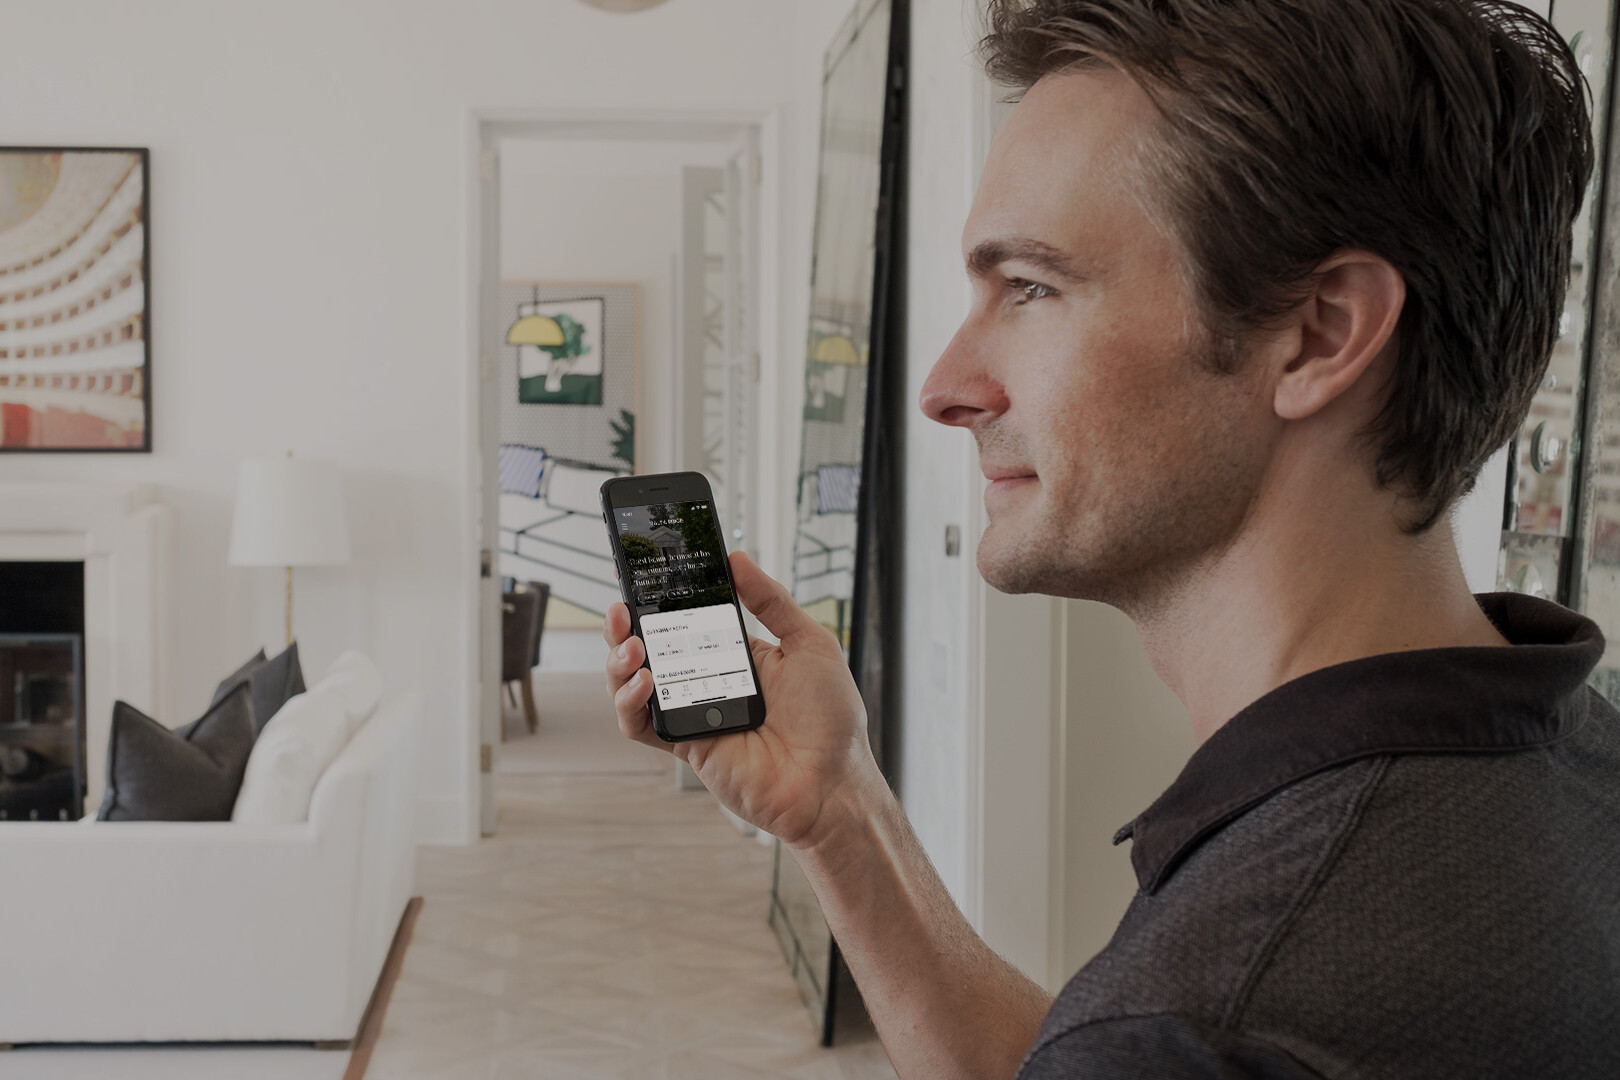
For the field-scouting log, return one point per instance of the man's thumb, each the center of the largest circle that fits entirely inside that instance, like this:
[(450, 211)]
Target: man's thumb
[(768, 599)]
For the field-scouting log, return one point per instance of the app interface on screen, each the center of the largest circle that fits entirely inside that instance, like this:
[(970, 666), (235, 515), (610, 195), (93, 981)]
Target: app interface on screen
[(695, 642)]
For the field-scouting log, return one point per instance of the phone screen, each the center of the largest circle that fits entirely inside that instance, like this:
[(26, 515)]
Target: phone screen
[(689, 622)]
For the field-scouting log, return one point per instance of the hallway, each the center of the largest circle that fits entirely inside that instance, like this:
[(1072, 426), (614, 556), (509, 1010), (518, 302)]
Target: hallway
[(613, 927)]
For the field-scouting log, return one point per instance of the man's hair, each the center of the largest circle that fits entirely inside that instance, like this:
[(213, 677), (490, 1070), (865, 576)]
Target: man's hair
[(1449, 137)]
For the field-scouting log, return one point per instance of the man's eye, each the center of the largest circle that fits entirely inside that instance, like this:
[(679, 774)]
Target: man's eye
[(1029, 290)]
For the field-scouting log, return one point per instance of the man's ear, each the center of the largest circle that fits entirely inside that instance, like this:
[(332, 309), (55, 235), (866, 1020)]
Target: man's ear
[(1345, 323)]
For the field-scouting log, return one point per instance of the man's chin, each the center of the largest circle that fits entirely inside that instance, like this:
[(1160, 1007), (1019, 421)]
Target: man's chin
[(1003, 565)]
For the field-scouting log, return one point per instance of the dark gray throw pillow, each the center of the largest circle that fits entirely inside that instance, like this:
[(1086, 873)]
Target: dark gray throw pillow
[(239, 675), (271, 682), (193, 774)]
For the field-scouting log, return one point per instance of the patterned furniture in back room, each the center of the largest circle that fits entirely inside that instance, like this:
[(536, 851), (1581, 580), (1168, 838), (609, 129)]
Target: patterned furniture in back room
[(551, 526)]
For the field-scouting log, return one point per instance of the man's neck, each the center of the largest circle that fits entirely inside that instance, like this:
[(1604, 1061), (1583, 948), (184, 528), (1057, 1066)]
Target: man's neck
[(1292, 596)]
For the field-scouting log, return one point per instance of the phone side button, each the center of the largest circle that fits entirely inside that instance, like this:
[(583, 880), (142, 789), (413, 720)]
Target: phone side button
[(713, 717)]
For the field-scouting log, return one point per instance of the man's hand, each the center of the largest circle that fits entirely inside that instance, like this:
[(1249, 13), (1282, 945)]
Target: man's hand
[(786, 776), (946, 1007)]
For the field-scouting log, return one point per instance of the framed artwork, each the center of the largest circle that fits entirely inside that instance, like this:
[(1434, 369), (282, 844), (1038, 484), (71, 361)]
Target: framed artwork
[(559, 443), (75, 298), (560, 351)]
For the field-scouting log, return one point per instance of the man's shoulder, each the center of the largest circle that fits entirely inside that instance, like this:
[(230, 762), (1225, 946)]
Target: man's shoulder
[(1187, 947), (1470, 914), (1384, 908)]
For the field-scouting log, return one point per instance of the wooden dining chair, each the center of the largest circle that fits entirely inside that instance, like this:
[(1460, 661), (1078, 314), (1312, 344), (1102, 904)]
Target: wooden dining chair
[(523, 617)]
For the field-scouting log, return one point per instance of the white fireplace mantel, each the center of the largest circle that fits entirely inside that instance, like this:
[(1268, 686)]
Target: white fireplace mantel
[(120, 534)]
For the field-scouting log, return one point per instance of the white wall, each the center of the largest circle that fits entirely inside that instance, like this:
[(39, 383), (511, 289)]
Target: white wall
[(310, 180), (1125, 737)]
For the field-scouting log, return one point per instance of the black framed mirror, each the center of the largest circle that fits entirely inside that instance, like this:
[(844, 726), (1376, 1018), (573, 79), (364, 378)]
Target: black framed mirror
[(847, 532), (1579, 563), (1557, 526)]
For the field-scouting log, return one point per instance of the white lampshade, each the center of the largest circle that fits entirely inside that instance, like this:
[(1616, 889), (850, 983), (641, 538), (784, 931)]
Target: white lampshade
[(289, 512)]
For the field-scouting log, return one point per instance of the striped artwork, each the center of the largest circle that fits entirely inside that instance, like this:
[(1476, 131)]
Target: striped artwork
[(74, 360), (838, 487), (520, 468)]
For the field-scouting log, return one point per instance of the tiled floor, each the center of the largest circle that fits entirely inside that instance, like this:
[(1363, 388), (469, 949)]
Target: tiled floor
[(613, 927), (577, 734), (274, 1061)]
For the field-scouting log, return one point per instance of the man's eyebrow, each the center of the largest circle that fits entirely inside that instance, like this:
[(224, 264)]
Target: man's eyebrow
[(992, 253)]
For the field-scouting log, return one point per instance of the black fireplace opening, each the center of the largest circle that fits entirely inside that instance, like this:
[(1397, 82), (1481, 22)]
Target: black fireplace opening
[(42, 774)]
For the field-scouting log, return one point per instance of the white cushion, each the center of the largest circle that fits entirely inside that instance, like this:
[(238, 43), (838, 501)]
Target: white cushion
[(354, 681), (289, 757), (576, 488)]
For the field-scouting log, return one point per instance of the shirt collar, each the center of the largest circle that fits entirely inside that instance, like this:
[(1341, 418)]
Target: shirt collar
[(1454, 700)]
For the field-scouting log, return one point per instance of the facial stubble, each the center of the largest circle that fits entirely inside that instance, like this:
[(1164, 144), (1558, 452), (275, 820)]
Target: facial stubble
[(1136, 526)]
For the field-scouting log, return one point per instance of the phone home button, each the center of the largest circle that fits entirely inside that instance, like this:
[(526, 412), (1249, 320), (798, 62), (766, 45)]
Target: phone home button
[(713, 717)]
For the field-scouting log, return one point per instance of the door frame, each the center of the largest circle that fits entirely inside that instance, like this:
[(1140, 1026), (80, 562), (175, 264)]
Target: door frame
[(482, 131)]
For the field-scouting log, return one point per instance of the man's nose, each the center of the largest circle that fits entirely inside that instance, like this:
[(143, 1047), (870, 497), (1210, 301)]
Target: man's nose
[(960, 390)]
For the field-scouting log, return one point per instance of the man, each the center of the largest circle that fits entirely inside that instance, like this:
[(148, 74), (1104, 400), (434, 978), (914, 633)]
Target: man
[(1258, 286)]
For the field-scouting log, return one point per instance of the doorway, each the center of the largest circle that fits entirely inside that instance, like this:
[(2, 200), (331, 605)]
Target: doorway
[(618, 286)]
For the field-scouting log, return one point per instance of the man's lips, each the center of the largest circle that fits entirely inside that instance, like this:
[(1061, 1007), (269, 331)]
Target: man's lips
[(1004, 479)]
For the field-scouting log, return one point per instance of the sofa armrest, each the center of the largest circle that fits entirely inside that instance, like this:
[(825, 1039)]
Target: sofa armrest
[(135, 930), (375, 779)]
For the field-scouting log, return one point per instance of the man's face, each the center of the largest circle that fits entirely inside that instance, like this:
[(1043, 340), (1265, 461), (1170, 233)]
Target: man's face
[(1118, 459)]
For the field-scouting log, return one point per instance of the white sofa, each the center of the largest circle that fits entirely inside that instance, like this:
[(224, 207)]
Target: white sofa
[(181, 931)]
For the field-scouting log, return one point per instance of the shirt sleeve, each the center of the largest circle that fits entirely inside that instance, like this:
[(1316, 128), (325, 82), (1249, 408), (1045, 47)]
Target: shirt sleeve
[(1160, 1047)]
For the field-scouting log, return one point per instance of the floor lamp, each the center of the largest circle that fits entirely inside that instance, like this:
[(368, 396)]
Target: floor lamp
[(289, 512)]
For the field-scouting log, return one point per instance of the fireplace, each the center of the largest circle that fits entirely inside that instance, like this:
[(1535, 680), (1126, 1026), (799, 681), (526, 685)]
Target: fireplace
[(111, 541), (42, 760)]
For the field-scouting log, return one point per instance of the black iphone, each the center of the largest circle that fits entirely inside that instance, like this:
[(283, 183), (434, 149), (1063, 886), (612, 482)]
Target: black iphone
[(676, 581)]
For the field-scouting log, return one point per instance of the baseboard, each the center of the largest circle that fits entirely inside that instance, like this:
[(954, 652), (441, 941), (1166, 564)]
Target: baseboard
[(371, 1021)]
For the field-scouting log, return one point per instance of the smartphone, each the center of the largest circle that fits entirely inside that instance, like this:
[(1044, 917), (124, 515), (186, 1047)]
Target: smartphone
[(671, 560)]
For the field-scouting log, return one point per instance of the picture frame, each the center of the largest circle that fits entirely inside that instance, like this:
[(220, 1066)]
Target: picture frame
[(75, 300), (585, 432), (570, 372)]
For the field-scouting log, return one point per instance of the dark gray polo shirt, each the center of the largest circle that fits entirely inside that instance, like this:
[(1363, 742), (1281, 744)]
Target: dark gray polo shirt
[(1403, 866)]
